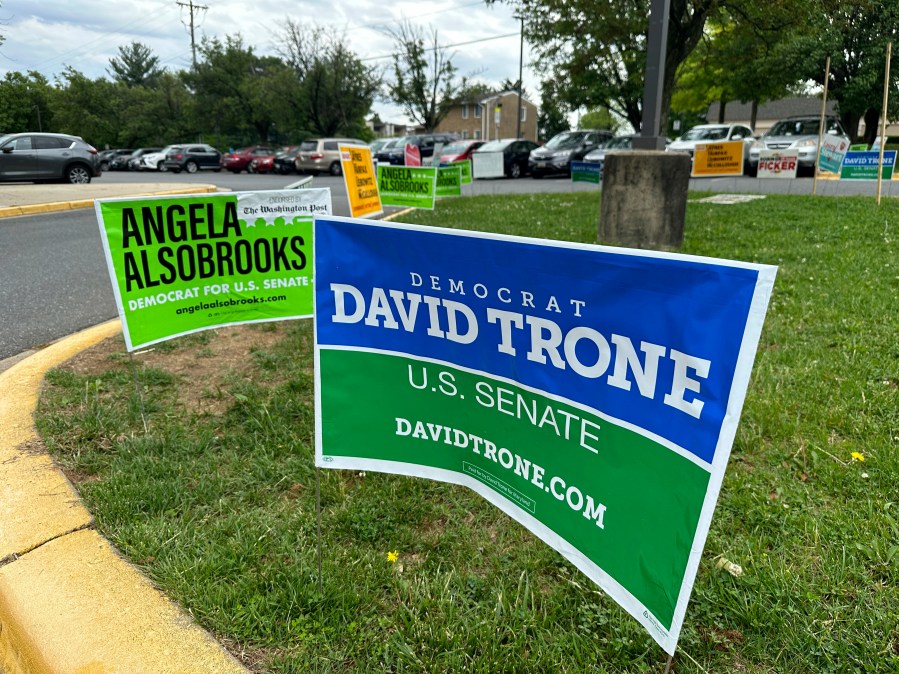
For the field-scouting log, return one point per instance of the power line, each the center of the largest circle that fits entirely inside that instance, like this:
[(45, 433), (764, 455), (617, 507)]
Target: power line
[(447, 46)]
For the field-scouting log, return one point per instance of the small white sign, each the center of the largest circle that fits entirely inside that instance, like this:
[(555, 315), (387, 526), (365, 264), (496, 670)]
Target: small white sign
[(487, 165)]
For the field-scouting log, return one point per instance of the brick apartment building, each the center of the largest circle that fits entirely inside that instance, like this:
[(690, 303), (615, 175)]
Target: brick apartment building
[(491, 117)]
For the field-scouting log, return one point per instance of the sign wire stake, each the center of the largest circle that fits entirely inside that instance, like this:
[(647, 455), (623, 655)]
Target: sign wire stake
[(318, 525), (140, 395), (883, 122), (668, 664)]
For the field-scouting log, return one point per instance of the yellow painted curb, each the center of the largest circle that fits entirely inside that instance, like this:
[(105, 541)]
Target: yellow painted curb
[(52, 207), (68, 603)]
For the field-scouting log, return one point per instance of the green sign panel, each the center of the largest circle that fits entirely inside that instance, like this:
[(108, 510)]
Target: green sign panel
[(465, 165), (409, 186), (863, 165), (182, 264), (449, 181), (586, 172)]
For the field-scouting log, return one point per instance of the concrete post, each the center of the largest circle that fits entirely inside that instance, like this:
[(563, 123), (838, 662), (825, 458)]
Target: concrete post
[(644, 199)]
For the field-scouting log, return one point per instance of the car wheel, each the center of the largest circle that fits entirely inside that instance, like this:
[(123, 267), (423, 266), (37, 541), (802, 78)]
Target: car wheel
[(334, 169), (191, 167), (160, 166), (104, 166), (78, 174), (515, 170)]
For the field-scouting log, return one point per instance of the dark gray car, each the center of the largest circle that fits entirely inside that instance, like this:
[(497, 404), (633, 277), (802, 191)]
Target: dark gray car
[(37, 157)]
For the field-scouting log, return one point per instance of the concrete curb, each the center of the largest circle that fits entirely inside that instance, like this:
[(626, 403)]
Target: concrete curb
[(54, 206), (68, 602)]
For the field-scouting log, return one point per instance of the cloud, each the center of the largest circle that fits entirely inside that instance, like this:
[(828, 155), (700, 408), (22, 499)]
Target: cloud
[(49, 35)]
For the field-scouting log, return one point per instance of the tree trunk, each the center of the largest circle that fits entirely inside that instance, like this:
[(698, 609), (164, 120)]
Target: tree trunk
[(872, 126), (722, 105), (753, 116)]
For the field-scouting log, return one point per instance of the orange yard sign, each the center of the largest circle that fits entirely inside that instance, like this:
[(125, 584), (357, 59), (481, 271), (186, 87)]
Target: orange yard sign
[(361, 180), (718, 159)]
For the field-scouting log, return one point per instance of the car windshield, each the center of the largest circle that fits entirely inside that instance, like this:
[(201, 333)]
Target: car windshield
[(713, 133), (455, 148), (565, 141), (620, 143), (493, 146), (803, 127), (308, 145)]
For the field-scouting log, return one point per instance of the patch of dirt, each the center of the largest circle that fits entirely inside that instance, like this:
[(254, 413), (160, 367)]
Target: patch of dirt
[(203, 364)]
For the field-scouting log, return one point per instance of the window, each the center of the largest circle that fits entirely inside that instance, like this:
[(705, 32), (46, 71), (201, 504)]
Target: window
[(477, 111), (477, 135), (524, 114), (23, 143), (330, 145), (49, 143), (465, 111), (465, 135)]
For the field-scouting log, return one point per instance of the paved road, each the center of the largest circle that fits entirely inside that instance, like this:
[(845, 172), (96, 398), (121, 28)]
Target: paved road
[(53, 277)]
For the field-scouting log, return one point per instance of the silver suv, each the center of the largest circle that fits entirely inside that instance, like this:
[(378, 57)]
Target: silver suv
[(321, 155), (34, 157), (796, 133)]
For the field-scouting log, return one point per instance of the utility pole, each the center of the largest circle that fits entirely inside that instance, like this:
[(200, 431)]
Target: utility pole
[(520, 83), (192, 7)]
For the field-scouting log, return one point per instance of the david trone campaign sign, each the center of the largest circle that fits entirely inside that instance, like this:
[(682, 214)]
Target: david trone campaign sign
[(591, 393)]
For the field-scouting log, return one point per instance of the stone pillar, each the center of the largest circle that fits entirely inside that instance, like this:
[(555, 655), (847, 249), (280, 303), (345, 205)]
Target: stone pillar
[(644, 199)]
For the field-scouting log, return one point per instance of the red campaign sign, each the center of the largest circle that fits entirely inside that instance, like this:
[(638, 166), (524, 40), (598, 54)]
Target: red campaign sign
[(413, 156)]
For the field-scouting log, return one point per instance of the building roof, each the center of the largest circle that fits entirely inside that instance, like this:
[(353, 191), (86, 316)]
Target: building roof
[(735, 111)]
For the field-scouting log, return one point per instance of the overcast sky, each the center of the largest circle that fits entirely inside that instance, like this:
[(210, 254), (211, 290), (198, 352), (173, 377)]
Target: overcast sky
[(48, 35)]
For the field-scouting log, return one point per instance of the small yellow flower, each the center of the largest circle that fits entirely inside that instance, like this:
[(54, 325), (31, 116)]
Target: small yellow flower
[(393, 556), (858, 456)]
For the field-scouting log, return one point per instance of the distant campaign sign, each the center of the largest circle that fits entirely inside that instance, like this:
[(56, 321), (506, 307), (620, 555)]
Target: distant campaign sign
[(187, 263), (591, 393), (449, 181), (487, 165), (586, 172), (863, 165), (778, 163), (833, 149), (718, 159), (409, 186)]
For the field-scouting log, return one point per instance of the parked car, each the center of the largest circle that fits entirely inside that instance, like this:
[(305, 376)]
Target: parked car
[(378, 144), (321, 155), (598, 156), (285, 161), (516, 153), (796, 133), (459, 150), (33, 157), (155, 161), (556, 156), (715, 133), (193, 158), (396, 154), (108, 156), (239, 160), (132, 161)]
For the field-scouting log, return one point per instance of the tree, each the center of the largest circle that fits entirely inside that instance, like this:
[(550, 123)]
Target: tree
[(600, 118), (25, 102), (854, 33), (552, 119), (238, 94), (335, 89), (86, 108), (136, 66), (424, 77)]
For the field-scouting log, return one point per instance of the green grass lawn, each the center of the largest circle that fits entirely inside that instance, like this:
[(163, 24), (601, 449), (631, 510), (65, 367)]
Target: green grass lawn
[(216, 503)]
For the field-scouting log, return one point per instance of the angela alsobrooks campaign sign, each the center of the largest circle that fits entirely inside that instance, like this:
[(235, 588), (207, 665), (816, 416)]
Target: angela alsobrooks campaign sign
[(591, 393), (185, 263)]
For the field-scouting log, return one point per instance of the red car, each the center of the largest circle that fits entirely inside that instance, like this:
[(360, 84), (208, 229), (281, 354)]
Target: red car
[(459, 150), (239, 160)]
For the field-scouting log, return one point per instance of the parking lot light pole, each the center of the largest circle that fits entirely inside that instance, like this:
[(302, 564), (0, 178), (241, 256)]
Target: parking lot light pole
[(650, 137)]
